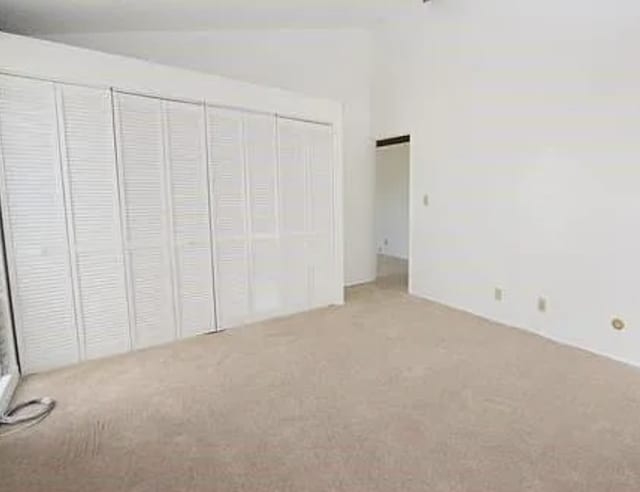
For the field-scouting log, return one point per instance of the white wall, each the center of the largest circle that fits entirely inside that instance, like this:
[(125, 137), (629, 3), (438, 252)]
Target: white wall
[(525, 124), (335, 64), (392, 200)]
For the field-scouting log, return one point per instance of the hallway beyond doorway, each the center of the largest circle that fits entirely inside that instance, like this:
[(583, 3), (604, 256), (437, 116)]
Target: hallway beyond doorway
[(393, 273)]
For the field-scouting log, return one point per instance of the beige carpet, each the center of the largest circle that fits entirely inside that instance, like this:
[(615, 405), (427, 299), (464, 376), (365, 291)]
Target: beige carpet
[(392, 269), (388, 393)]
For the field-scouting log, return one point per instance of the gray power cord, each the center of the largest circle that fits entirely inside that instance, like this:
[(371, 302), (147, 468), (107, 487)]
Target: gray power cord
[(44, 406)]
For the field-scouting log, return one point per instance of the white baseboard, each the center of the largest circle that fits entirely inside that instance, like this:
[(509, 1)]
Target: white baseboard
[(395, 257), (354, 283), (547, 336), (8, 384)]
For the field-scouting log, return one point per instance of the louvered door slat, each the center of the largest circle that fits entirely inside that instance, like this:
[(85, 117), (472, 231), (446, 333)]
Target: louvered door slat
[(140, 146), (292, 177), (232, 282), (294, 272), (293, 203), (320, 247), (306, 186), (92, 194), (191, 222), (229, 211), (266, 278), (35, 225), (320, 144), (260, 142), (261, 154), (322, 279), (226, 157)]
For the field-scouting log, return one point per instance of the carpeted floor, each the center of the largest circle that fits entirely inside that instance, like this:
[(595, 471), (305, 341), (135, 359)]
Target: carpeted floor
[(390, 268), (389, 393)]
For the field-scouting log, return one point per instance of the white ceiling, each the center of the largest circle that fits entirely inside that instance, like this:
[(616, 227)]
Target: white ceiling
[(67, 16)]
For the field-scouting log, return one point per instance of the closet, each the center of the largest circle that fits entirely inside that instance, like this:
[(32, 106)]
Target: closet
[(132, 221)]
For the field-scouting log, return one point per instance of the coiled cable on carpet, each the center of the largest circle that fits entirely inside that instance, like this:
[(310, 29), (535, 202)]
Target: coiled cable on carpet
[(15, 420)]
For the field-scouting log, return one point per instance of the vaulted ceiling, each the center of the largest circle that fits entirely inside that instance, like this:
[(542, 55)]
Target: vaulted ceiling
[(66, 16)]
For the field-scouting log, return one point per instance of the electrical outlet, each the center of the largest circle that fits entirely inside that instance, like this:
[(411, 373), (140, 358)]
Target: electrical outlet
[(542, 305), (498, 294), (386, 242)]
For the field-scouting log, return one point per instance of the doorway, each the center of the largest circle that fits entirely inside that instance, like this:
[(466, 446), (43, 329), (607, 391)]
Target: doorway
[(393, 158)]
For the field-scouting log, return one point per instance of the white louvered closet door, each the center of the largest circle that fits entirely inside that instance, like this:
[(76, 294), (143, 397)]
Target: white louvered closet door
[(146, 211), (229, 211), (187, 160), (321, 245), (91, 190), (35, 225), (307, 223), (261, 158), (293, 212)]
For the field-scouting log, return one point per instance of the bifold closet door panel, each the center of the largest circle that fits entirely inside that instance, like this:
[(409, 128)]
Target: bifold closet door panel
[(226, 161), (261, 155), (187, 157), (322, 277), (229, 212), (140, 141), (294, 272), (320, 165), (91, 185), (292, 184), (35, 225), (321, 245), (232, 282), (266, 278), (306, 187), (293, 208), (262, 173)]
